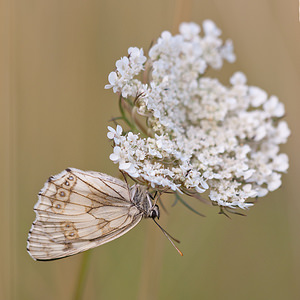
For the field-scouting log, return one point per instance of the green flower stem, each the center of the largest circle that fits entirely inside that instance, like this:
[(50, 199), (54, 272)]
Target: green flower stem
[(137, 121), (82, 275), (123, 113)]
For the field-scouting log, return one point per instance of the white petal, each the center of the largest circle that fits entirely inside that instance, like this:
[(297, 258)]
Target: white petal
[(110, 135), (112, 78), (210, 28), (114, 157), (124, 166), (119, 130)]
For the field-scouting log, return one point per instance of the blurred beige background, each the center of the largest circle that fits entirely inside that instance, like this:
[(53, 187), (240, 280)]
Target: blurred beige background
[(55, 59)]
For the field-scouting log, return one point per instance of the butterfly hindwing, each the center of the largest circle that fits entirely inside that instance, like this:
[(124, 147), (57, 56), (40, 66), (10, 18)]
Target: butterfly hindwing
[(79, 210)]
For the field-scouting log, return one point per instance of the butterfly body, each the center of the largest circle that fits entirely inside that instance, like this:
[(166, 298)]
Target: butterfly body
[(79, 210)]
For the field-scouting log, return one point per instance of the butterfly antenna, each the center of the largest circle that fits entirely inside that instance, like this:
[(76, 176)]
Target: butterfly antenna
[(169, 237)]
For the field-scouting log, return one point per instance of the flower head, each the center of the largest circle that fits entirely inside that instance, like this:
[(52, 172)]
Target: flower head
[(201, 135)]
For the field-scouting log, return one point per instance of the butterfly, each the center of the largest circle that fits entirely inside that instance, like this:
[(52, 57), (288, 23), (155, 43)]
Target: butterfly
[(79, 210)]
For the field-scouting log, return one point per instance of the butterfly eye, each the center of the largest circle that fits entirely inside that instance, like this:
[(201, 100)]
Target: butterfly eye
[(155, 212)]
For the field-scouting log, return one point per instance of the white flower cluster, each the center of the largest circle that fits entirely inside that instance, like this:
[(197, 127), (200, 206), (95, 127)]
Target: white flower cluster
[(205, 136)]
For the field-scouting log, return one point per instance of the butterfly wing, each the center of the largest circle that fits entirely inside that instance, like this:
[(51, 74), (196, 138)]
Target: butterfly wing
[(77, 211)]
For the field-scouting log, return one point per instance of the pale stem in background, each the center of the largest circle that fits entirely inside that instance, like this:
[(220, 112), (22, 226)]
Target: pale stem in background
[(182, 13), (152, 260)]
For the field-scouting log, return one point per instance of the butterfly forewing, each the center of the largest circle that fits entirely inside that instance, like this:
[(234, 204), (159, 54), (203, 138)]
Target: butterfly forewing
[(79, 210)]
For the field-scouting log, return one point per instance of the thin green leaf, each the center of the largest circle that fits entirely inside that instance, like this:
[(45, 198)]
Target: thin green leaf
[(222, 212), (235, 212), (187, 205), (123, 113), (115, 119), (175, 201)]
